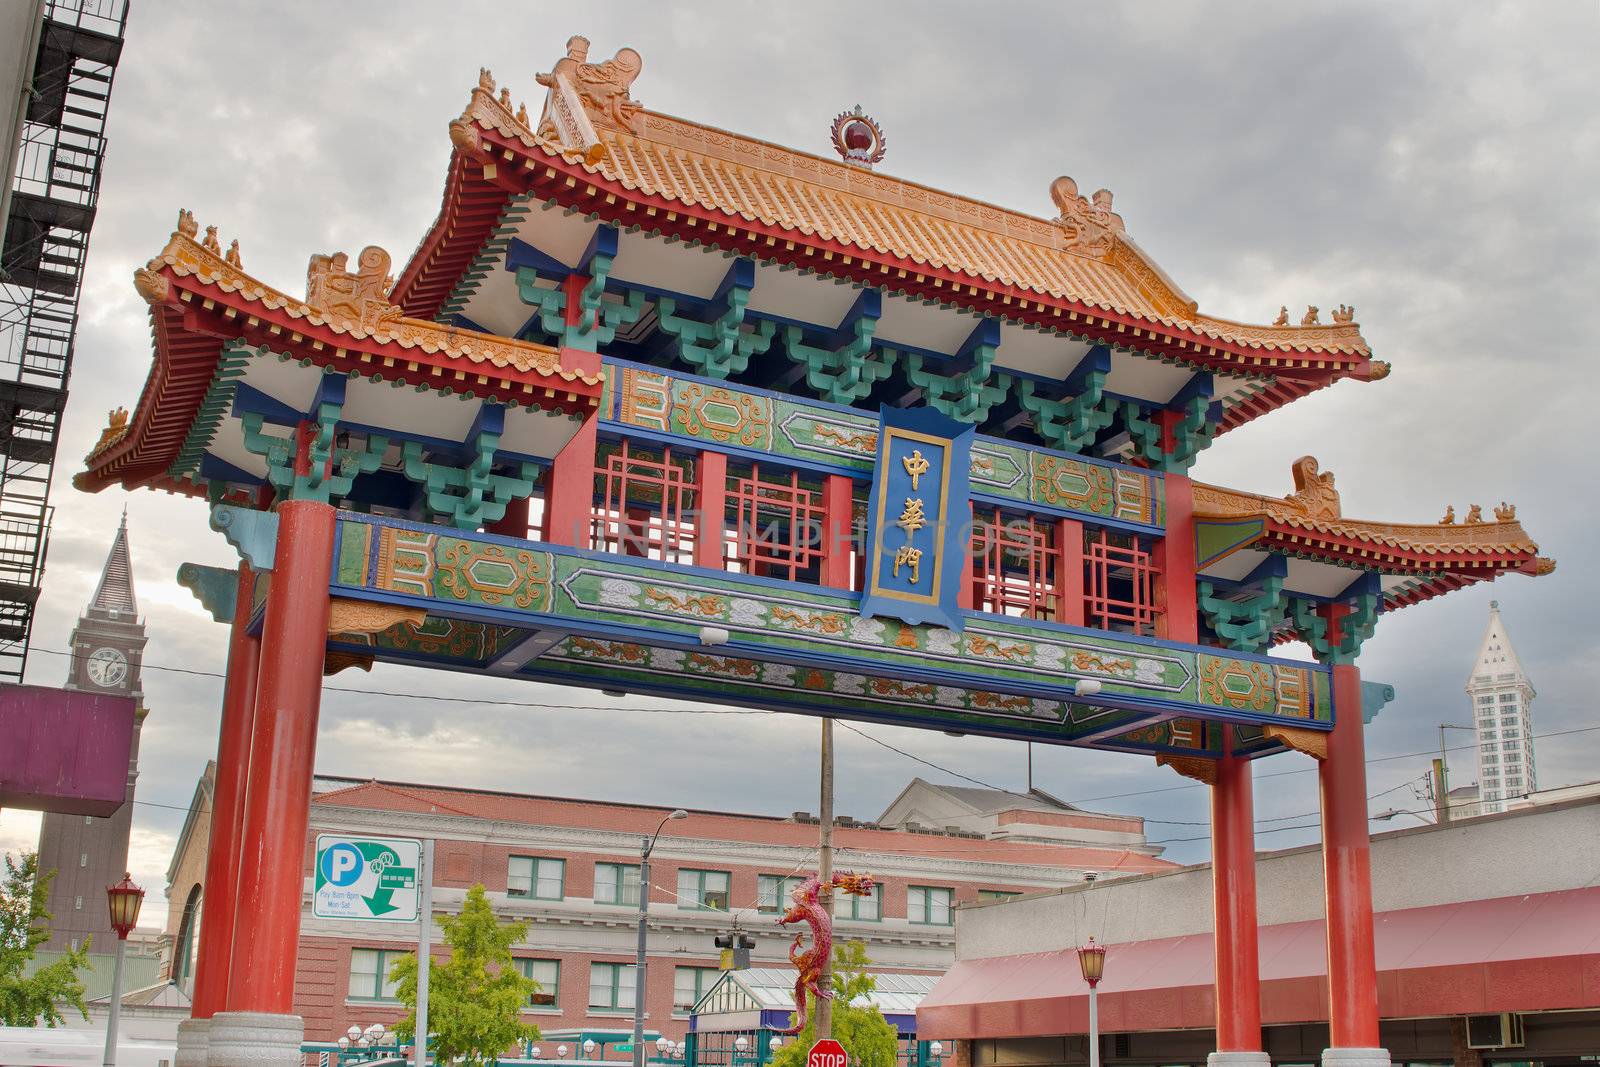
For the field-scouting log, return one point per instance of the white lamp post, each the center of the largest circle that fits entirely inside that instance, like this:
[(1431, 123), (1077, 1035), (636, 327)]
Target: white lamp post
[(123, 899), (1092, 961), (639, 985)]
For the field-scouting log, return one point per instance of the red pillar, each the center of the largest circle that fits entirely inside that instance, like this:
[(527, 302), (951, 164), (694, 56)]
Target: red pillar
[(838, 506), (514, 523), (1347, 870), (711, 503), (1178, 618), (1233, 866), (1069, 572), (569, 490), (227, 808), (277, 809)]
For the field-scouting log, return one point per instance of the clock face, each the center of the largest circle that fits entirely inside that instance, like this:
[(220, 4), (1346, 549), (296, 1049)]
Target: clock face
[(107, 667)]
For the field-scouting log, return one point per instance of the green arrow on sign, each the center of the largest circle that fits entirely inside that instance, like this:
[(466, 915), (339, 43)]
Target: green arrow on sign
[(378, 902)]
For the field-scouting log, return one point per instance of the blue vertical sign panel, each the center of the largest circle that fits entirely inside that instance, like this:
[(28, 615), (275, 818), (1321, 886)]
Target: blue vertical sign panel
[(919, 519)]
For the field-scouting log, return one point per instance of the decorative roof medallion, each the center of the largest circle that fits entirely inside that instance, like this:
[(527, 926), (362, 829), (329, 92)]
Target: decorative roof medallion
[(589, 97), (857, 137), (1090, 225), (362, 296)]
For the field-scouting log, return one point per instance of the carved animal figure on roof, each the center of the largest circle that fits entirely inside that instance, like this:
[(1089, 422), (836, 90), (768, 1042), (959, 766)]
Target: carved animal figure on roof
[(1475, 515), (233, 254), (1283, 316), (362, 296), (1505, 512), (602, 87), (1344, 314), (1449, 516), (1088, 224), (1310, 317), (1313, 489), (210, 242)]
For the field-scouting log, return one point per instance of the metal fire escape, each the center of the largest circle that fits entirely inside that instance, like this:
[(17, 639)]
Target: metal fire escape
[(52, 204)]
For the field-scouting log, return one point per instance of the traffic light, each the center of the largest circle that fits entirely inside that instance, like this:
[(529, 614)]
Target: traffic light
[(735, 955)]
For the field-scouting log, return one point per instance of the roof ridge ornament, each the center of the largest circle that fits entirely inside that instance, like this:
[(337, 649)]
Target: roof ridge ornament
[(362, 296), (1313, 493), (585, 98), (1089, 223), (858, 138)]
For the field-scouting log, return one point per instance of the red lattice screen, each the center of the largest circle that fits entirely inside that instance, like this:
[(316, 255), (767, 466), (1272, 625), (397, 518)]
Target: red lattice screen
[(1016, 564), (777, 526), (646, 505), (1119, 582)]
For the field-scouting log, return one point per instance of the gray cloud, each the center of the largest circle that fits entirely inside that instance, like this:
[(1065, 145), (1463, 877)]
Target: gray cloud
[(1431, 164)]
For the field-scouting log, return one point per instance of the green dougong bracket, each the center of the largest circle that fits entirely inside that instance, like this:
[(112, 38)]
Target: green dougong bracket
[(965, 397), (549, 304), (1190, 434), (598, 318), (1246, 625), (1070, 425), (331, 467), (217, 588), (720, 348), (840, 376), (1354, 629), (471, 496)]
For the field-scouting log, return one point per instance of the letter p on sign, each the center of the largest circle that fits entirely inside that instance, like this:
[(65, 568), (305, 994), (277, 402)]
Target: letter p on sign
[(827, 1053)]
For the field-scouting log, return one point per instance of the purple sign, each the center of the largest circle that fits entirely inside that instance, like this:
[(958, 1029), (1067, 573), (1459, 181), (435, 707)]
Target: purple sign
[(64, 751)]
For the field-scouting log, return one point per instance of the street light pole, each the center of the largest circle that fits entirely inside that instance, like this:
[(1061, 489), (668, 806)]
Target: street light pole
[(124, 900), (1092, 961), (639, 985)]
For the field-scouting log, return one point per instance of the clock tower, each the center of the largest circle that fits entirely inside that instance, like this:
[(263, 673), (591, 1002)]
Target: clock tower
[(90, 853)]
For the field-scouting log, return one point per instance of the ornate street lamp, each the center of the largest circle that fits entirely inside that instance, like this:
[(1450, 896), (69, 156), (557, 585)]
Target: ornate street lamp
[(124, 900), (1092, 961)]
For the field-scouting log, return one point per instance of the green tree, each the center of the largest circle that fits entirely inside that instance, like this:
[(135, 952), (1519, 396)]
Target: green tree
[(867, 1037), (24, 926), (476, 998)]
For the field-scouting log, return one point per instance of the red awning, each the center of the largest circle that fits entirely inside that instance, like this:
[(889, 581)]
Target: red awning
[(1527, 953)]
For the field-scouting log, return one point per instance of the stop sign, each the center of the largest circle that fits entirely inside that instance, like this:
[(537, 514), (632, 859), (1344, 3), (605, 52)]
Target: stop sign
[(826, 1053)]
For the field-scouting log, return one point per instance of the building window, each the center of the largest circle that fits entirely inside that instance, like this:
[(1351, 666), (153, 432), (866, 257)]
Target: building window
[(997, 894), (1508, 698), (689, 984), (703, 890), (535, 876), (548, 974), (616, 883), (77, 903), (929, 906), (773, 891), (646, 505), (1119, 582), (777, 525), (369, 974), (83, 859), (611, 986), (1016, 565), (1488, 699), (862, 909)]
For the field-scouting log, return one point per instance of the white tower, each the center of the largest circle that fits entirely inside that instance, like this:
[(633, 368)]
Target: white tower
[(1502, 711)]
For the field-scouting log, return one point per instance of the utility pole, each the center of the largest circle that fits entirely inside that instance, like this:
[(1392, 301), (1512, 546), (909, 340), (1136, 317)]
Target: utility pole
[(1441, 774), (824, 1006)]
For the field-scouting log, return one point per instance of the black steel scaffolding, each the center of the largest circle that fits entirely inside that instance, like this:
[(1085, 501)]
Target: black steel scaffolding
[(53, 194)]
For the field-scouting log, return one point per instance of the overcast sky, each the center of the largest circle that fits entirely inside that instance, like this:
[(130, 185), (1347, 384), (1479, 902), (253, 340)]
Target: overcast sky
[(1435, 165)]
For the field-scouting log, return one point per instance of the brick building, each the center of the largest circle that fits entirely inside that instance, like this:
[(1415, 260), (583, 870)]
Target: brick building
[(571, 866)]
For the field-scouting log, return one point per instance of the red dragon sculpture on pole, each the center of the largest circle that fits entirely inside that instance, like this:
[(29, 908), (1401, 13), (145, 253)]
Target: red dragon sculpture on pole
[(807, 908)]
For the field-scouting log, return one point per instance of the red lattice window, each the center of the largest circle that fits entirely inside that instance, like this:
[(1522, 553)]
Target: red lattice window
[(1016, 565), (777, 525), (1119, 588), (646, 505)]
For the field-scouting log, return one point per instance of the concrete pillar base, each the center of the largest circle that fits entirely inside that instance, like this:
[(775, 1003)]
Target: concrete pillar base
[(1238, 1059), (1355, 1057), (192, 1043), (254, 1039)]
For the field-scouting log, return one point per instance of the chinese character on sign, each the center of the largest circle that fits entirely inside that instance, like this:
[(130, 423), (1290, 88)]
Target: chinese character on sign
[(910, 557), (916, 465), (911, 517)]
